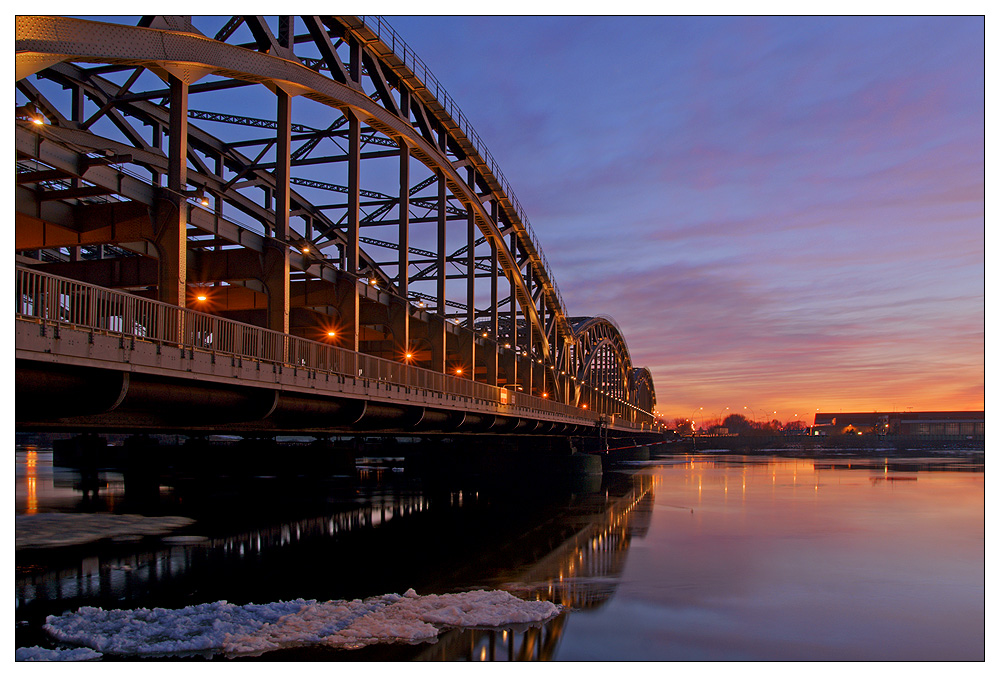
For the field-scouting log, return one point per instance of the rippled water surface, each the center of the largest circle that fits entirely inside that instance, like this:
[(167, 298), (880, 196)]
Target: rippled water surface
[(691, 557)]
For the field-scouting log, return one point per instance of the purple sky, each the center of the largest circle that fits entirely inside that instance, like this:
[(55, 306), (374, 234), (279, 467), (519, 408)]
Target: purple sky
[(783, 214)]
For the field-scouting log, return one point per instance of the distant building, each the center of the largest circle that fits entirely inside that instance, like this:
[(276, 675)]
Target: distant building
[(901, 423)]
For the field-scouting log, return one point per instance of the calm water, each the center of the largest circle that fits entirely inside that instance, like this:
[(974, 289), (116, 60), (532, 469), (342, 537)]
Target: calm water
[(692, 557)]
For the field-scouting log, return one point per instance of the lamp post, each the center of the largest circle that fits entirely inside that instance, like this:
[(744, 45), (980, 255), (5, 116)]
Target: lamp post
[(693, 428), (719, 417)]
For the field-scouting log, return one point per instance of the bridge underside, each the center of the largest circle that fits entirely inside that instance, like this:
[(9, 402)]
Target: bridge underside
[(127, 402), (71, 379)]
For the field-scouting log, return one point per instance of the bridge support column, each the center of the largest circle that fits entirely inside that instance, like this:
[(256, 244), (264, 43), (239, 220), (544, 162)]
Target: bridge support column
[(466, 358), (488, 356), (170, 215), (141, 467), (85, 453), (529, 361), (401, 322), (507, 360), (437, 337), (276, 253), (399, 325), (349, 309)]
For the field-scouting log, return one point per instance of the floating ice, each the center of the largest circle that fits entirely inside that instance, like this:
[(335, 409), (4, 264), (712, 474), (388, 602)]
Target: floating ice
[(220, 627), (37, 653), (49, 530)]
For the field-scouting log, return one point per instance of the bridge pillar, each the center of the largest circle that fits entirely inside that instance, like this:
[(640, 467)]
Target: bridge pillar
[(85, 453), (349, 308), (141, 467), (437, 337), (170, 215), (276, 253), (527, 372), (399, 325), (507, 359), (488, 356), (400, 316), (466, 358)]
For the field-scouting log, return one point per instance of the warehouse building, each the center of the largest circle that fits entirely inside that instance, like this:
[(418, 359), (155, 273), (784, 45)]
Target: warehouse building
[(917, 423)]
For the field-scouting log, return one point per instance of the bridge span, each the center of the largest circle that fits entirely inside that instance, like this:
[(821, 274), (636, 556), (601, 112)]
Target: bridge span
[(281, 224)]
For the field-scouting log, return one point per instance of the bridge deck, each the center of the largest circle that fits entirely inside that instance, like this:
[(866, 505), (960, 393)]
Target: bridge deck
[(68, 326)]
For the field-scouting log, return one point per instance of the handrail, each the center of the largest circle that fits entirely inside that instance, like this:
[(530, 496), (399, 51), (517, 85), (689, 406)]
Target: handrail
[(58, 300)]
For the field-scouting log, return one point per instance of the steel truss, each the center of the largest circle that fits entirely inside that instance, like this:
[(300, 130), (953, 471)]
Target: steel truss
[(233, 215)]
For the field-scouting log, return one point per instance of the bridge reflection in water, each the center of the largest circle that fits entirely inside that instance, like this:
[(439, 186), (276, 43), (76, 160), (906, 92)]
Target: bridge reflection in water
[(581, 573), (573, 554)]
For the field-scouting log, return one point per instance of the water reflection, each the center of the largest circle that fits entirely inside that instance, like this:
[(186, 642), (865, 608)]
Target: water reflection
[(41, 487), (380, 532), (488, 645), (582, 572), (696, 558), (800, 559)]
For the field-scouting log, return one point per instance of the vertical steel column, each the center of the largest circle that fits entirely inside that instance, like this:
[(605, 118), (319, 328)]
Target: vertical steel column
[(350, 310), (515, 376), (171, 211), (403, 276), (276, 251), (442, 233), (470, 280), (494, 274), (438, 332), (492, 357), (78, 116), (529, 331)]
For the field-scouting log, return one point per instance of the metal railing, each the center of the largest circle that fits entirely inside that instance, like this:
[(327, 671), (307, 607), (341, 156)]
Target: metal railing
[(54, 300)]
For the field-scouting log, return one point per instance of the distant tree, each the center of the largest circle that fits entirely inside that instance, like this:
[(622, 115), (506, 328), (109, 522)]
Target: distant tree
[(737, 423), (795, 426)]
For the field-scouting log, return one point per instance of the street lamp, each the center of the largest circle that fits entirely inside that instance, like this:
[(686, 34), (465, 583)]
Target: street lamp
[(692, 418)]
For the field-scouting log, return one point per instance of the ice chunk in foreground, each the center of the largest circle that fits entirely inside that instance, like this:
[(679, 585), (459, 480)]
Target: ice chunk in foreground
[(221, 627), (51, 530), (37, 653)]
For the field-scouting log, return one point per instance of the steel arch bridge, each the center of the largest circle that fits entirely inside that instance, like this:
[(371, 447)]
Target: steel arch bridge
[(303, 175)]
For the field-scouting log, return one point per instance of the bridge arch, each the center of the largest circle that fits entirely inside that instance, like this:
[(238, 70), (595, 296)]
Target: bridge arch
[(196, 195), (603, 370)]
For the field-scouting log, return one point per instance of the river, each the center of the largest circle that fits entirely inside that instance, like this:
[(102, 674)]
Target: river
[(691, 557)]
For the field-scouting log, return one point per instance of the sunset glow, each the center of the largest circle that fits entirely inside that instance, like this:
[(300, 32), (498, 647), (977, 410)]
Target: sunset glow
[(801, 199)]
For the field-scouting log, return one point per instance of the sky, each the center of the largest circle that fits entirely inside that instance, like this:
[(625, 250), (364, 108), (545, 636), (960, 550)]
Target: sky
[(783, 214)]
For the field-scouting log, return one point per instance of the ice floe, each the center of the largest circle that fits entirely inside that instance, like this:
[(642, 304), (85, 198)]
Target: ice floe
[(50, 530), (223, 628), (37, 653)]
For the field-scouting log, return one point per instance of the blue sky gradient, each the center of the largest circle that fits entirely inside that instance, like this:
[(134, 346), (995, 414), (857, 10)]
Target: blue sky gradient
[(782, 213)]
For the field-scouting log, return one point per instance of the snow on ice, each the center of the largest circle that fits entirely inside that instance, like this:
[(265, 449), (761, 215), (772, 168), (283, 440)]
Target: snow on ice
[(37, 653), (220, 627)]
